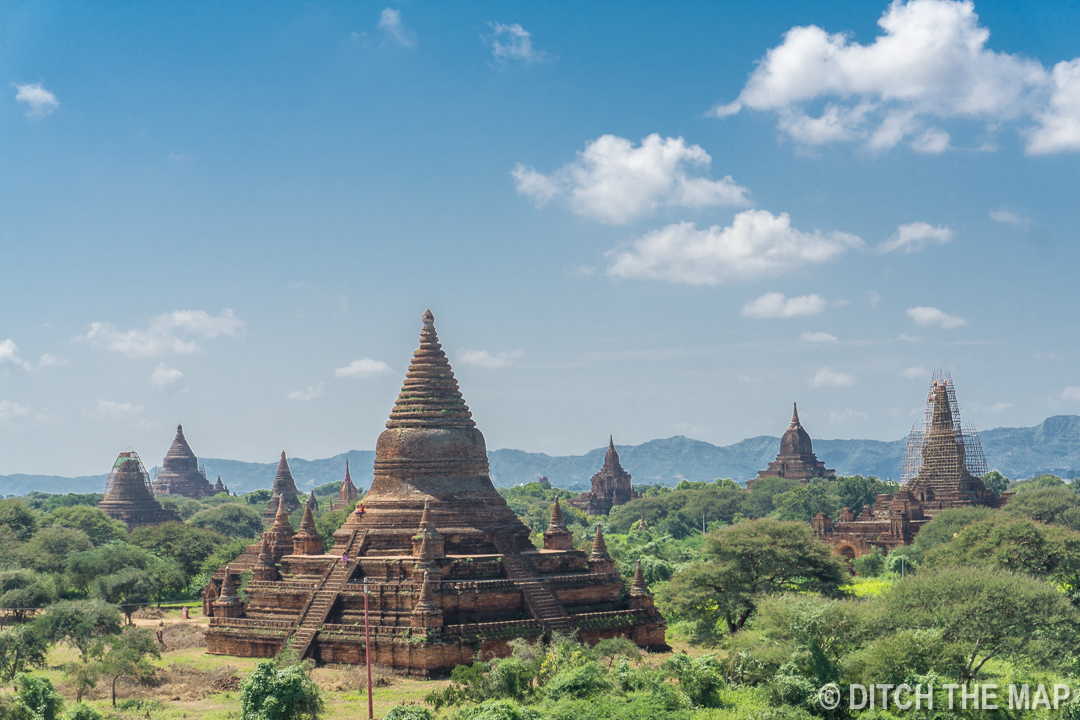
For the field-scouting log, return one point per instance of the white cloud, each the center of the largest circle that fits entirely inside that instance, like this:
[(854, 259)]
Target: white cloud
[(513, 42), (583, 270), (873, 297), (483, 358), (757, 243), (998, 407), (390, 23), (915, 373), (161, 337), (9, 355), (817, 337), (904, 337), (932, 317), (1071, 393), (312, 392), (165, 376), (363, 368), (48, 360), (116, 410), (931, 61), (1010, 218), (830, 378), (776, 305), (615, 182), (41, 101), (847, 415), (10, 410), (916, 236)]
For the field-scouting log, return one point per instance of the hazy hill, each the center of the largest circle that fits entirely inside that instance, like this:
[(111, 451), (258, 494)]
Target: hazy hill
[(1052, 446)]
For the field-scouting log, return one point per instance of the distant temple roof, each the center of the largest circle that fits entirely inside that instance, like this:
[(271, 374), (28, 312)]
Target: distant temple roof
[(180, 473), (128, 497), (796, 460)]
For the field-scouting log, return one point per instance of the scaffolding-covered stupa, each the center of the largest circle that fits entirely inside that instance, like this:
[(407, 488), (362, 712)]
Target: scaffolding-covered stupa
[(447, 566), (128, 496), (180, 473)]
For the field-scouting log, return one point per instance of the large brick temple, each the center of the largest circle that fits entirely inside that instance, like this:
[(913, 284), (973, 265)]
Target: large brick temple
[(128, 497), (942, 466), (796, 460), (180, 473), (449, 567), (610, 487)]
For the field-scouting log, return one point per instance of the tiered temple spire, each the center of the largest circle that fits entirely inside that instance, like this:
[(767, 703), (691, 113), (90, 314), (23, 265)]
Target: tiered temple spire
[(347, 493), (284, 489), (180, 471), (796, 460)]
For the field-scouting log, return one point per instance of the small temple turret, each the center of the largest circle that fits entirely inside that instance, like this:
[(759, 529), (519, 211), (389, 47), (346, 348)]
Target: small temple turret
[(599, 560), (428, 544), (220, 487), (128, 497), (426, 613), (180, 473), (796, 460), (640, 597), (307, 540), (312, 502), (347, 493), (284, 489), (227, 604), (281, 533), (558, 536), (266, 568)]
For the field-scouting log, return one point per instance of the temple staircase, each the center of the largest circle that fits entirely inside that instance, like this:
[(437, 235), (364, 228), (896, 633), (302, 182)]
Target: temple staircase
[(539, 598), (317, 609)]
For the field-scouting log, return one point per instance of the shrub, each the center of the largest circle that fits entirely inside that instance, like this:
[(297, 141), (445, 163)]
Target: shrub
[(581, 682), (82, 711), (269, 693), (870, 564), (408, 712), (39, 696)]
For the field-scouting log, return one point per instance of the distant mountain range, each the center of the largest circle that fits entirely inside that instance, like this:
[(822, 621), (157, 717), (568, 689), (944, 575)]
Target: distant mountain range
[(1052, 446)]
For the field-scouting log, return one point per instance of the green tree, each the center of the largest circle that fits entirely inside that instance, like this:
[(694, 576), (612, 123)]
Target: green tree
[(127, 657), (128, 589), (47, 502), (258, 498), (948, 523), (38, 698), (20, 519), (803, 503), (761, 500), (84, 568), (84, 623), (857, 492), (22, 592), (231, 520), (98, 526), (272, 693), (21, 648), (1058, 505), (995, 482), (185, 544), (871, 564), (50, 548), (985, 613), (745, 561), (184, 507), (1037, 483)]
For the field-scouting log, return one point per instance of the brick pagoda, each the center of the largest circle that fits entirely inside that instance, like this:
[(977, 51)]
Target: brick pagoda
[(941, 469), (128, 497), (796, 460), (180, 474), (284, 488), (610, 487), (347, 493), (450, 568)]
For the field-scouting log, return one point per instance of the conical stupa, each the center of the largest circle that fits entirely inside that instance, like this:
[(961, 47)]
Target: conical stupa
[(180, 472), (128, 497), (347, 493), (796, 460), (284, 487)]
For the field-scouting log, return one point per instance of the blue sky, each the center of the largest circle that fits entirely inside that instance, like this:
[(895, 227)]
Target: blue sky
[(628, 218)]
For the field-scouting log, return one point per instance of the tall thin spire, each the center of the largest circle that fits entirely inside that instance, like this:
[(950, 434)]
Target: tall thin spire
[(430, 397), (638, 587), (795, 415), (557, 520)]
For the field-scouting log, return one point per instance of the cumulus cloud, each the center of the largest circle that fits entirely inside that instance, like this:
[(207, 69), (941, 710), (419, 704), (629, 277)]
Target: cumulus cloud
[(164, 334), (1071, 393), (41, 102), (916, 236), (930, 62), (915, 373), (932, 317), (757, 243), (48, 360), (363, 368), (513, 42), (998, 407), (10, 410), (9, 355), (390, 23), (1008, 217), (830, 378), (165, 376), (483, 358), (817, 337), (117, 410), (776, 305), (847, 415), (614, 181), (312, 392)]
